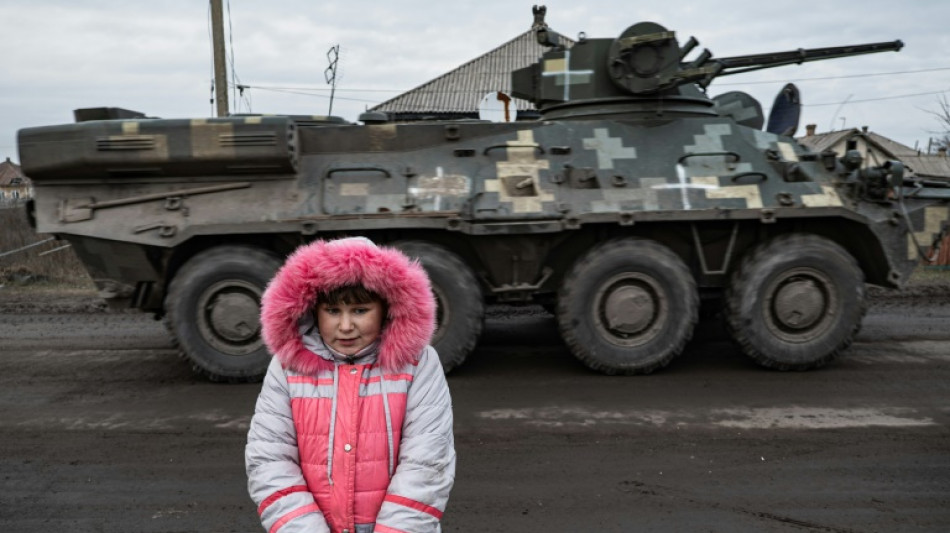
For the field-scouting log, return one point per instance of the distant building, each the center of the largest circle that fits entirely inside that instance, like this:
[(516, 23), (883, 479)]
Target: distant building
[(14, 186), (877, 149), (458, 93)]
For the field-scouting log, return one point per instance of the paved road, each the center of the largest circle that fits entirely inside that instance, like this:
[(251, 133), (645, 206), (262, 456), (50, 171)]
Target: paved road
[(104, 430)]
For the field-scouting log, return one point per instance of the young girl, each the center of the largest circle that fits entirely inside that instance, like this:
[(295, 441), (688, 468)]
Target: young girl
[(352, 432)]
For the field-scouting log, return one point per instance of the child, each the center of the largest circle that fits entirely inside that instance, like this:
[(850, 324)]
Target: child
[(352, 432)]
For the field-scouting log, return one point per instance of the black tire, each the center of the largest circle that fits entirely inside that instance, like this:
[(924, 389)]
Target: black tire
[(213, 309), (460, 312), (795, 302), (641, 282)]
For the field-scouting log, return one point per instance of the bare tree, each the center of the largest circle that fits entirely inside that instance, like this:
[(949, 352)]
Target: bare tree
[(942, 139)]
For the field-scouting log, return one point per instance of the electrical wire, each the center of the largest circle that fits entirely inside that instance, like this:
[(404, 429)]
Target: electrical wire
[(237, 88), (759, 82), (895, 97), (845, 76), (290, 91), (314, 91)]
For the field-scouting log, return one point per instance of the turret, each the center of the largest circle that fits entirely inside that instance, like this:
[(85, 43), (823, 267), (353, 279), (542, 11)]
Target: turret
[(644, 70)]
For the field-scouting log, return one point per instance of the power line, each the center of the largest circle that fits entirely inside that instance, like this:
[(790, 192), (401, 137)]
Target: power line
[(238, 96), (323, 89), (310, 93), (896, 97), (314, 91), (865, 75)]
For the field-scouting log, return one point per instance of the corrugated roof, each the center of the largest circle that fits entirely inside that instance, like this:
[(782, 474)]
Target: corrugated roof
[(895, 148), (928, 166), (461, 90)]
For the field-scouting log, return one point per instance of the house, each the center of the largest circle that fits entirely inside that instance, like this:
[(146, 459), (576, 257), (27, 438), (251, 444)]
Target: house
[(876, 149), (14, 186), (458, 93)]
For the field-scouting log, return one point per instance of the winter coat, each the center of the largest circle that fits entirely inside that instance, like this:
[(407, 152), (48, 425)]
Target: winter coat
[(350, 445)]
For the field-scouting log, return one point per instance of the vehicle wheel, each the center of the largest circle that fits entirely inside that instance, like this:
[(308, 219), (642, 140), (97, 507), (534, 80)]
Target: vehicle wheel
[(628, 306), (460, 311), (795, 302), (213, 308)]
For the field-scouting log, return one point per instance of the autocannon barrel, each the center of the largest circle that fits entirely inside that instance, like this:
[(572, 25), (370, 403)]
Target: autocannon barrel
[(739, 64)]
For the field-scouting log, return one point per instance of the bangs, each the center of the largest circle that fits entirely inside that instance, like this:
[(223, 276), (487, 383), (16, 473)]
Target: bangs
[(349, 294)]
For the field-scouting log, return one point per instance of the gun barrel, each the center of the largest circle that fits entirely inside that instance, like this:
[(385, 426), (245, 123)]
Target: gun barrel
[(739, 64)]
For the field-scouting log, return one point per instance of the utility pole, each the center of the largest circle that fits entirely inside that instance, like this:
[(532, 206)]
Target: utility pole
[(220, 60)]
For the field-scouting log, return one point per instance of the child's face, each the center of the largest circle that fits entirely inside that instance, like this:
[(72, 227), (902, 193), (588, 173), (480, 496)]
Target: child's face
[(348, 328)]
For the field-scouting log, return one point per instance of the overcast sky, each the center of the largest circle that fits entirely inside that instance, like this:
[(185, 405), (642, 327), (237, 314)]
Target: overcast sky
[(155, 56)]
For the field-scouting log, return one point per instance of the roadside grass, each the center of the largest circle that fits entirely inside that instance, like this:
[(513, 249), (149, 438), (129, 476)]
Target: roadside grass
[(51, 264)]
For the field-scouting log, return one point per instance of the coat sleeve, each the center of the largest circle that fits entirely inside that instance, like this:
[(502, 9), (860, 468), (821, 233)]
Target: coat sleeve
[(419, 489), (274, 479)]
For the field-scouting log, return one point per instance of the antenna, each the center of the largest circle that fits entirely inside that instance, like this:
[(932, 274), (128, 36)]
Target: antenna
[(831, 126), (333, 56)]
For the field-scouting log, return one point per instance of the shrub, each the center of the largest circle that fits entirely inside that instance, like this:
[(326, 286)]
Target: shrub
[(51, 261)]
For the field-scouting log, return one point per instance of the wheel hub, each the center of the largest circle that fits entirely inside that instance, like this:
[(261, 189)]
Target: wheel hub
[(799, 304), (235, 316), (629, 309), (229, 316)]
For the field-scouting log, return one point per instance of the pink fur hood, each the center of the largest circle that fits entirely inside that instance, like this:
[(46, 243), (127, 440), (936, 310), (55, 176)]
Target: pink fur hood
[(325, 265)]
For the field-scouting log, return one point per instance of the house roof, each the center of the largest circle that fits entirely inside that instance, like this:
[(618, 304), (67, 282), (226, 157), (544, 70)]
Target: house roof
[(928, 166), (922, 165), (10, 171), (460, 91), (820, 142), (893, 147)]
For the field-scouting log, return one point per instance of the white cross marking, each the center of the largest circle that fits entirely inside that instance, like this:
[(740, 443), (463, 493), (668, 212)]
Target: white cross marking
[(567, 73)]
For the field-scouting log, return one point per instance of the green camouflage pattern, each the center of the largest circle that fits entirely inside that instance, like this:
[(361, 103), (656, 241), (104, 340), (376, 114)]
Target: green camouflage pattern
[(137, 196)]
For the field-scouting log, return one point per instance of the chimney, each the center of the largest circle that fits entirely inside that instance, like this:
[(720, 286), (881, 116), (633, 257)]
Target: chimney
[(864, 129), (942, 151), (810, 130)]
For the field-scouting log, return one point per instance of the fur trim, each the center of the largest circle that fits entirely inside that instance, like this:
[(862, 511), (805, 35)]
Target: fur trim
[(325, 265)]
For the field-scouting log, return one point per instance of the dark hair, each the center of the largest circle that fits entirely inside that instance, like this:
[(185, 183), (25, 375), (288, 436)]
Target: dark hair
[(350, 294)]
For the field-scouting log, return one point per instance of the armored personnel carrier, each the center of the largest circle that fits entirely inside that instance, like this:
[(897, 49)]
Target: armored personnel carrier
[(633, 197)]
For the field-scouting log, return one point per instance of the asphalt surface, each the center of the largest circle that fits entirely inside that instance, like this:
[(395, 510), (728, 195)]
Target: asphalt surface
[(104, 429)]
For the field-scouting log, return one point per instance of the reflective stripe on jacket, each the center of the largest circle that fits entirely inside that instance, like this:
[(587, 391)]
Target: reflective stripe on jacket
[(291, 485)]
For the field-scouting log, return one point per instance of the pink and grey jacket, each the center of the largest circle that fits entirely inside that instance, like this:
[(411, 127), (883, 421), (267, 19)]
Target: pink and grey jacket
[(350, 445)]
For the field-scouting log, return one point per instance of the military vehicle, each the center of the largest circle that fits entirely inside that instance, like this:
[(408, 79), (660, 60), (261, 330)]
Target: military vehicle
[(633, 197)]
